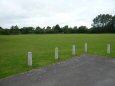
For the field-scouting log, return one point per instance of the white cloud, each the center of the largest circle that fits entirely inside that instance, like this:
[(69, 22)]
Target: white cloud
[(51, 12)]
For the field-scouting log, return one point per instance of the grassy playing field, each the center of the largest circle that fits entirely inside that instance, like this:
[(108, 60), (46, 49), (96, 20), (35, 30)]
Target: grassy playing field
[(14, 48)]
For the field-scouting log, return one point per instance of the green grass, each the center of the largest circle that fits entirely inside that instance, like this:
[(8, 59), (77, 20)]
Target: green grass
[(14, 48)]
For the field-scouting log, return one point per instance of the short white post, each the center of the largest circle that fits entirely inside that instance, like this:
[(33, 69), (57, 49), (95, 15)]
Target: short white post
[(29, 58), (56, 54), (85, 47), (108, 49), (73, 50)]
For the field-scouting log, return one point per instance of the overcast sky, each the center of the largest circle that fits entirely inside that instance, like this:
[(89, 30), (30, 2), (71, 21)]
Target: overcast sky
[(51, 12)]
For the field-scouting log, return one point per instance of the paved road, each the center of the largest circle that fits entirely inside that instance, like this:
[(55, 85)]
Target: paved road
[(85, 71)]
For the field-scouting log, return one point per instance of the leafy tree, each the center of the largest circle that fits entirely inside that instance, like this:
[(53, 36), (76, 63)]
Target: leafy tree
[(103, 23), (44, 30), (65, 29), (57, 29), (14, 30), (111, 25), (27, 30), (49, 30), (75, 29), (5, 32), (102, 20), (82, 29), (0, 30), (39, 30)]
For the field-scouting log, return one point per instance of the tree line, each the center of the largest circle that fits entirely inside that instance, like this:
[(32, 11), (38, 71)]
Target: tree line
[(103, 23)]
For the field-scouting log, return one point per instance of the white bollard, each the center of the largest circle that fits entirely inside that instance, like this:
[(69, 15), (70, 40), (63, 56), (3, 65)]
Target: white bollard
[(108, 49), (56, 54), (85, 47), (29, 58), (73, 50)]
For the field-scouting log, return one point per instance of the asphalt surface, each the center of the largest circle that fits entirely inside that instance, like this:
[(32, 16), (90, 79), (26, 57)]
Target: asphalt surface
[(88, 70)]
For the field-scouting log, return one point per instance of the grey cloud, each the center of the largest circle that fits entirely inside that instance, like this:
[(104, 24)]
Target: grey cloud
[(51, 12)]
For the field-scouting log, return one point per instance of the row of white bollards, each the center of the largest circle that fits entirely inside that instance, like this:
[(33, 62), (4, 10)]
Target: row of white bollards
[(73, 53)]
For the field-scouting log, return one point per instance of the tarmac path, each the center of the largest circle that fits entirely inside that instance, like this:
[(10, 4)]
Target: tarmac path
[(88, 70)]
